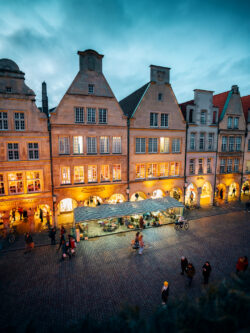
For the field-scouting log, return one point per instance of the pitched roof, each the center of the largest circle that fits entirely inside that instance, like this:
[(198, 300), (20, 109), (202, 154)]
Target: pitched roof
[(219, 101), (183, 107), (246, 105), (130, 103)]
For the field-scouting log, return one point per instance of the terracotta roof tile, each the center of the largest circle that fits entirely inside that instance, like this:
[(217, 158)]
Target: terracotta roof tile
[(246, 105), (183, 107), (219, 101)]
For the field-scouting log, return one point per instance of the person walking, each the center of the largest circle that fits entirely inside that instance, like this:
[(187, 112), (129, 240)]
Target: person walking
[(29, 242), (64, 250), (190, 271), (41, 215), (141, 244), (13, 214), (206, 271), (52, 235), (240, 266), (184, 263), (165, 293), (48, 219), (62, 238), (141, 222), (62, 230), (72, 245)]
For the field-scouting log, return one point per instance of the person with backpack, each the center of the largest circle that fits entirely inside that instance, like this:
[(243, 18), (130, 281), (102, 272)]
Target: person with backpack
[(190, 271)]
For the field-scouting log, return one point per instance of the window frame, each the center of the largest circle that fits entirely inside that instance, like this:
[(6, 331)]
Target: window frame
[(153, 119), (4, 121), (20, 121), (93, 169), (80, 114), (140, 144), (163, 143), (13, 150), (164, 119), (152, 144), (115, 144), (91, 139), (104, 145), (63, 142), (141, 171), (79, 146), (116, 179), (33, 150), (91, 115), (176, 142), (100, 116), (79, 182)]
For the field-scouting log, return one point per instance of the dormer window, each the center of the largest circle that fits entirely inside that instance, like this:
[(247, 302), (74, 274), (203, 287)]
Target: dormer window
[(229, 122), (91, 88), (191, 116), (203, 117), (8, 89), (160, 97)]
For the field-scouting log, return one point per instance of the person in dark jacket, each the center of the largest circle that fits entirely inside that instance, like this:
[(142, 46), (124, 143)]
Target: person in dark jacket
[(62, 238), (29, 242), (240, 265), (206, 271), (41, 215), (184, 263), (165, 293), (190, 271), (52, 235)]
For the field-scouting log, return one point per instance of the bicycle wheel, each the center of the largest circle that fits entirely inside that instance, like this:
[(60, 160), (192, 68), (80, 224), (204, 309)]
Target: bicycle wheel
[(11, 238), (186, 225), (177, 226)]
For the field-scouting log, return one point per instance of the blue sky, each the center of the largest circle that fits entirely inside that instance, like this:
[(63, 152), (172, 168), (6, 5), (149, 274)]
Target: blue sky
[(206, 43)]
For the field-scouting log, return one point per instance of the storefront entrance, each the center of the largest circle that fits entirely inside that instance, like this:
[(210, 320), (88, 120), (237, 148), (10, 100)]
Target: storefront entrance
[(176, 193), (157, 194), (65, 209), (245, 191), (191, 195), (93, 201), (206, 194), (116, 198), (220, 192), (138, 196), (233, 192)]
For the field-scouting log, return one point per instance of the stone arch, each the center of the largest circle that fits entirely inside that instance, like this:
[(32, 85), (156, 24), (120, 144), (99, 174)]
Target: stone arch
[(206, 194), (176, 193), (116, 198), (233, 191), (65, 210), (191, 194), (93, 201), (157, 194), (220, 193), (245, 191), (138, 196)]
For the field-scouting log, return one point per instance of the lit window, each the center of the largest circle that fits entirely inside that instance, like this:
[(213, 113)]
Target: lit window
[(238, 143), (15, 182), (91, 88), (236, 122), (229, 165), (203, 117), (202, 141), (224, 144), (92, 173), (78, 174), (174, 169), (140, 145), (192, 166), (164, 145), (163, 169), (117, 172), (231, 143), (105, 173), (192, 141), (210, 141), (153, 119), (91, 145), (33, 151), (79, 115), (19, 121), (117, 145), (3, 121), (64, 145), (65, 175), (200, 166), (104, 144), (152, 170), (229, 122), (102, 116), (1, 185), (78, 145), (164, 120), (222, 165), (140, 171), (247, 167), (236, 165), (209, 167), (152, 145), (13, 151), (33, 181), (91, 116), (176, 145)]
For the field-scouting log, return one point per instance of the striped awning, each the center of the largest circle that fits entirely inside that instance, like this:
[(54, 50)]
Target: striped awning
[(127, 208)]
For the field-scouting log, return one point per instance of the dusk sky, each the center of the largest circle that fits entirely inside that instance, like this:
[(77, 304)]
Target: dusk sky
[(206, 43)]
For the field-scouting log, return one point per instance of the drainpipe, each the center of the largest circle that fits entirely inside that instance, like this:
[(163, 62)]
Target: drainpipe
[(185, 164), (45, 109), (243, 160), (215, 167), (128, 155)]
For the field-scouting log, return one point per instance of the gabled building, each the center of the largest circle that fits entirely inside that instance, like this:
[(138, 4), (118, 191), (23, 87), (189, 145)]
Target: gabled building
[(245, 190), (25, 179), (89, 138), (202, 123), (156, 144), (231, 140)]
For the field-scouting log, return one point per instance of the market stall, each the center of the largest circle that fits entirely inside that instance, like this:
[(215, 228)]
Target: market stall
[(108, 218)]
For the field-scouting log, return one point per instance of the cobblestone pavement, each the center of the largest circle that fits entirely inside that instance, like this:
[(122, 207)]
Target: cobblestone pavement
[(106, 273)]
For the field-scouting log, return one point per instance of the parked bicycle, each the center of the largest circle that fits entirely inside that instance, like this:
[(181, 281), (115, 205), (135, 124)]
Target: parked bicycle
[(181, 225)]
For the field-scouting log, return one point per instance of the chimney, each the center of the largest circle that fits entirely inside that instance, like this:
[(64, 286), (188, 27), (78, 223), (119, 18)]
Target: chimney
[(235, 89), (45, 107), (159, 74), (90, 60)]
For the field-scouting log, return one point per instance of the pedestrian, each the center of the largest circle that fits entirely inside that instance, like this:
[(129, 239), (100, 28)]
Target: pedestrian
[(62, 230), (141, 244), (25, 215), (29, 243), (221, 193), (41, 215), (141, 222), (72, 245), (48, 219), (165, 293), (245, 262), (190, 271), (20, 211), (240, 265), (52, 235), (184, 263), (136, 242), (62, 238), (206, 271), (14, 214), (64, 250)]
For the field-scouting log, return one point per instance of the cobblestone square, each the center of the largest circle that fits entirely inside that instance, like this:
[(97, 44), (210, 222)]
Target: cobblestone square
[(106, 273)]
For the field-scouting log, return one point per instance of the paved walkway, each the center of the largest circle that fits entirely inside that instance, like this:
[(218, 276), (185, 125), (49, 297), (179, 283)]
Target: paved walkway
[(107, 273)]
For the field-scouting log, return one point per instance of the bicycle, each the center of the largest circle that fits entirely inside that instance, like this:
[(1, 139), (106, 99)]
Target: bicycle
[(181, 225)]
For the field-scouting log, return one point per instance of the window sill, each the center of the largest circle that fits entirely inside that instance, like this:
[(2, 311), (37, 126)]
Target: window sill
[(79, 122), (79, 183), (140, 153), (88, 123), (66, 184), (102, 123), (13, 160), (105, 181), (117, 153), (104, 153), (62, 154), (78, 154), (94, 182), (153, 152), (116, 180), (91, 153)]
